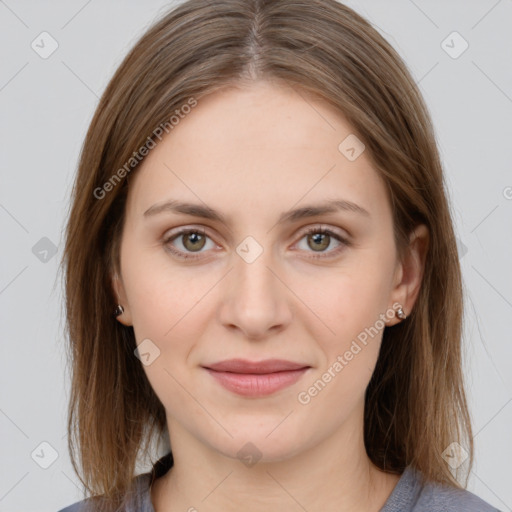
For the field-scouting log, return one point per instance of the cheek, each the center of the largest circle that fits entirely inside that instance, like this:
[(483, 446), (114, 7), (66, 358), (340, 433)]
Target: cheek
[(159, 294), (166, 311), (170, 307), (348, 299), (351, 307)]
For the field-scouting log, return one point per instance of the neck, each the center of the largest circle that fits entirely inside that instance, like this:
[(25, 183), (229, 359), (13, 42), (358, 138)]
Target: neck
[(335, 475)]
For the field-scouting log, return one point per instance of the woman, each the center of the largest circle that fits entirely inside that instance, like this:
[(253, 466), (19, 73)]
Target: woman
[(261, 203)]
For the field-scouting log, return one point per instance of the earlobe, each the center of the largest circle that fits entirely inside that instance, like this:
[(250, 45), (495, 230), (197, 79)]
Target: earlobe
[(121, 310), (399, 315), (411, 272)]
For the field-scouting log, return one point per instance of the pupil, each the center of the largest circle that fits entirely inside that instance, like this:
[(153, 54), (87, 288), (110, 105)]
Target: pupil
[(318, 240), (194, 240)]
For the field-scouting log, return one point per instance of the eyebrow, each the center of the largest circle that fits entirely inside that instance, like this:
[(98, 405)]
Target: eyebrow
[(198, 210)]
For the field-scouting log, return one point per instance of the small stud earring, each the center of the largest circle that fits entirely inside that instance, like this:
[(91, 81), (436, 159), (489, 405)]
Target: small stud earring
[(119, 310), (400, 313)]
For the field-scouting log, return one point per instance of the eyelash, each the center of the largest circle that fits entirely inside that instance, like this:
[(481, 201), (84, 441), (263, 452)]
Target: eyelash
[(324, 231)]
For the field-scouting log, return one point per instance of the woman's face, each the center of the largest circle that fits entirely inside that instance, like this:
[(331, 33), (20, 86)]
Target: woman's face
[(255, 285)]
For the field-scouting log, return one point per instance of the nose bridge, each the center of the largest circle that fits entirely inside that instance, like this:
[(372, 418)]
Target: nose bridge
[(256, 300), (253, 280), (252, 276)]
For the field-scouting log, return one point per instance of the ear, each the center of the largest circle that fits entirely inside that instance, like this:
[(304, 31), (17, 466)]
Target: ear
[(409, 272), (119, 292)]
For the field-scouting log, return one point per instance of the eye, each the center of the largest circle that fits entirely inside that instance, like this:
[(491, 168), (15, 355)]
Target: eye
[(191, 239), (319, 239)]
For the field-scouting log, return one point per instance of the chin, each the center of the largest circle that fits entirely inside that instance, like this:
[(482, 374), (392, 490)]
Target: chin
[(252, 446)]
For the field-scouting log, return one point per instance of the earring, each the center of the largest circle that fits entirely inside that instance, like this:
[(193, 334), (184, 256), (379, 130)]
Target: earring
[(119, 310), (400, 313)]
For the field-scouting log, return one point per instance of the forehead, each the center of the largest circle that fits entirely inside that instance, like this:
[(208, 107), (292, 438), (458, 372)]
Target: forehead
[(263, 145)]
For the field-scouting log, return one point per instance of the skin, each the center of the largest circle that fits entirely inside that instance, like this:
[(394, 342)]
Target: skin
[(251, 153)]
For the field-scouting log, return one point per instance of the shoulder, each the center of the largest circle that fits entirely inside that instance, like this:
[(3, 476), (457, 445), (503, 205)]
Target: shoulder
[(139, 499), (79, 506), (435, 497), (410, 495)]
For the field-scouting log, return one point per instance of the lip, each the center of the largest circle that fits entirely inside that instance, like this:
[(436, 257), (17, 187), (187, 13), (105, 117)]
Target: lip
[(256, 378), (258, 367)]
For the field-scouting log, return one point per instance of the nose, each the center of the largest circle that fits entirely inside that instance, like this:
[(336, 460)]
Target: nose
[(255, 299)]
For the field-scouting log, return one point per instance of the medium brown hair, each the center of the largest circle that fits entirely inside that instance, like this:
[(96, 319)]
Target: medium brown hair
[(415, 403)]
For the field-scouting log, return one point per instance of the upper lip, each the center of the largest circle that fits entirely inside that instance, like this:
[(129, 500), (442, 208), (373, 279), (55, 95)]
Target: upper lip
[(257, 367)]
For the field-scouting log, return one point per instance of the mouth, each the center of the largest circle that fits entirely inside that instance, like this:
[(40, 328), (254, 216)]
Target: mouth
[(255, 379)]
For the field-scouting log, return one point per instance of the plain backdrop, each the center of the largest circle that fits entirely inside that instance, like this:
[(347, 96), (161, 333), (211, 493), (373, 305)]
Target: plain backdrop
[(460, 53)]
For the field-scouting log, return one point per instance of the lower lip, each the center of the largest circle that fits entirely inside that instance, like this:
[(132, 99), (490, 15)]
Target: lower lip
[(250, 384)]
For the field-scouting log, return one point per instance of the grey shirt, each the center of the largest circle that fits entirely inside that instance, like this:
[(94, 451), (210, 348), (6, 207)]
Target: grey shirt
[(409, 495)]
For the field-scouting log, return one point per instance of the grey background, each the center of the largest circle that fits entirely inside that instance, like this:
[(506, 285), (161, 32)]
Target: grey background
[(46, 105)]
